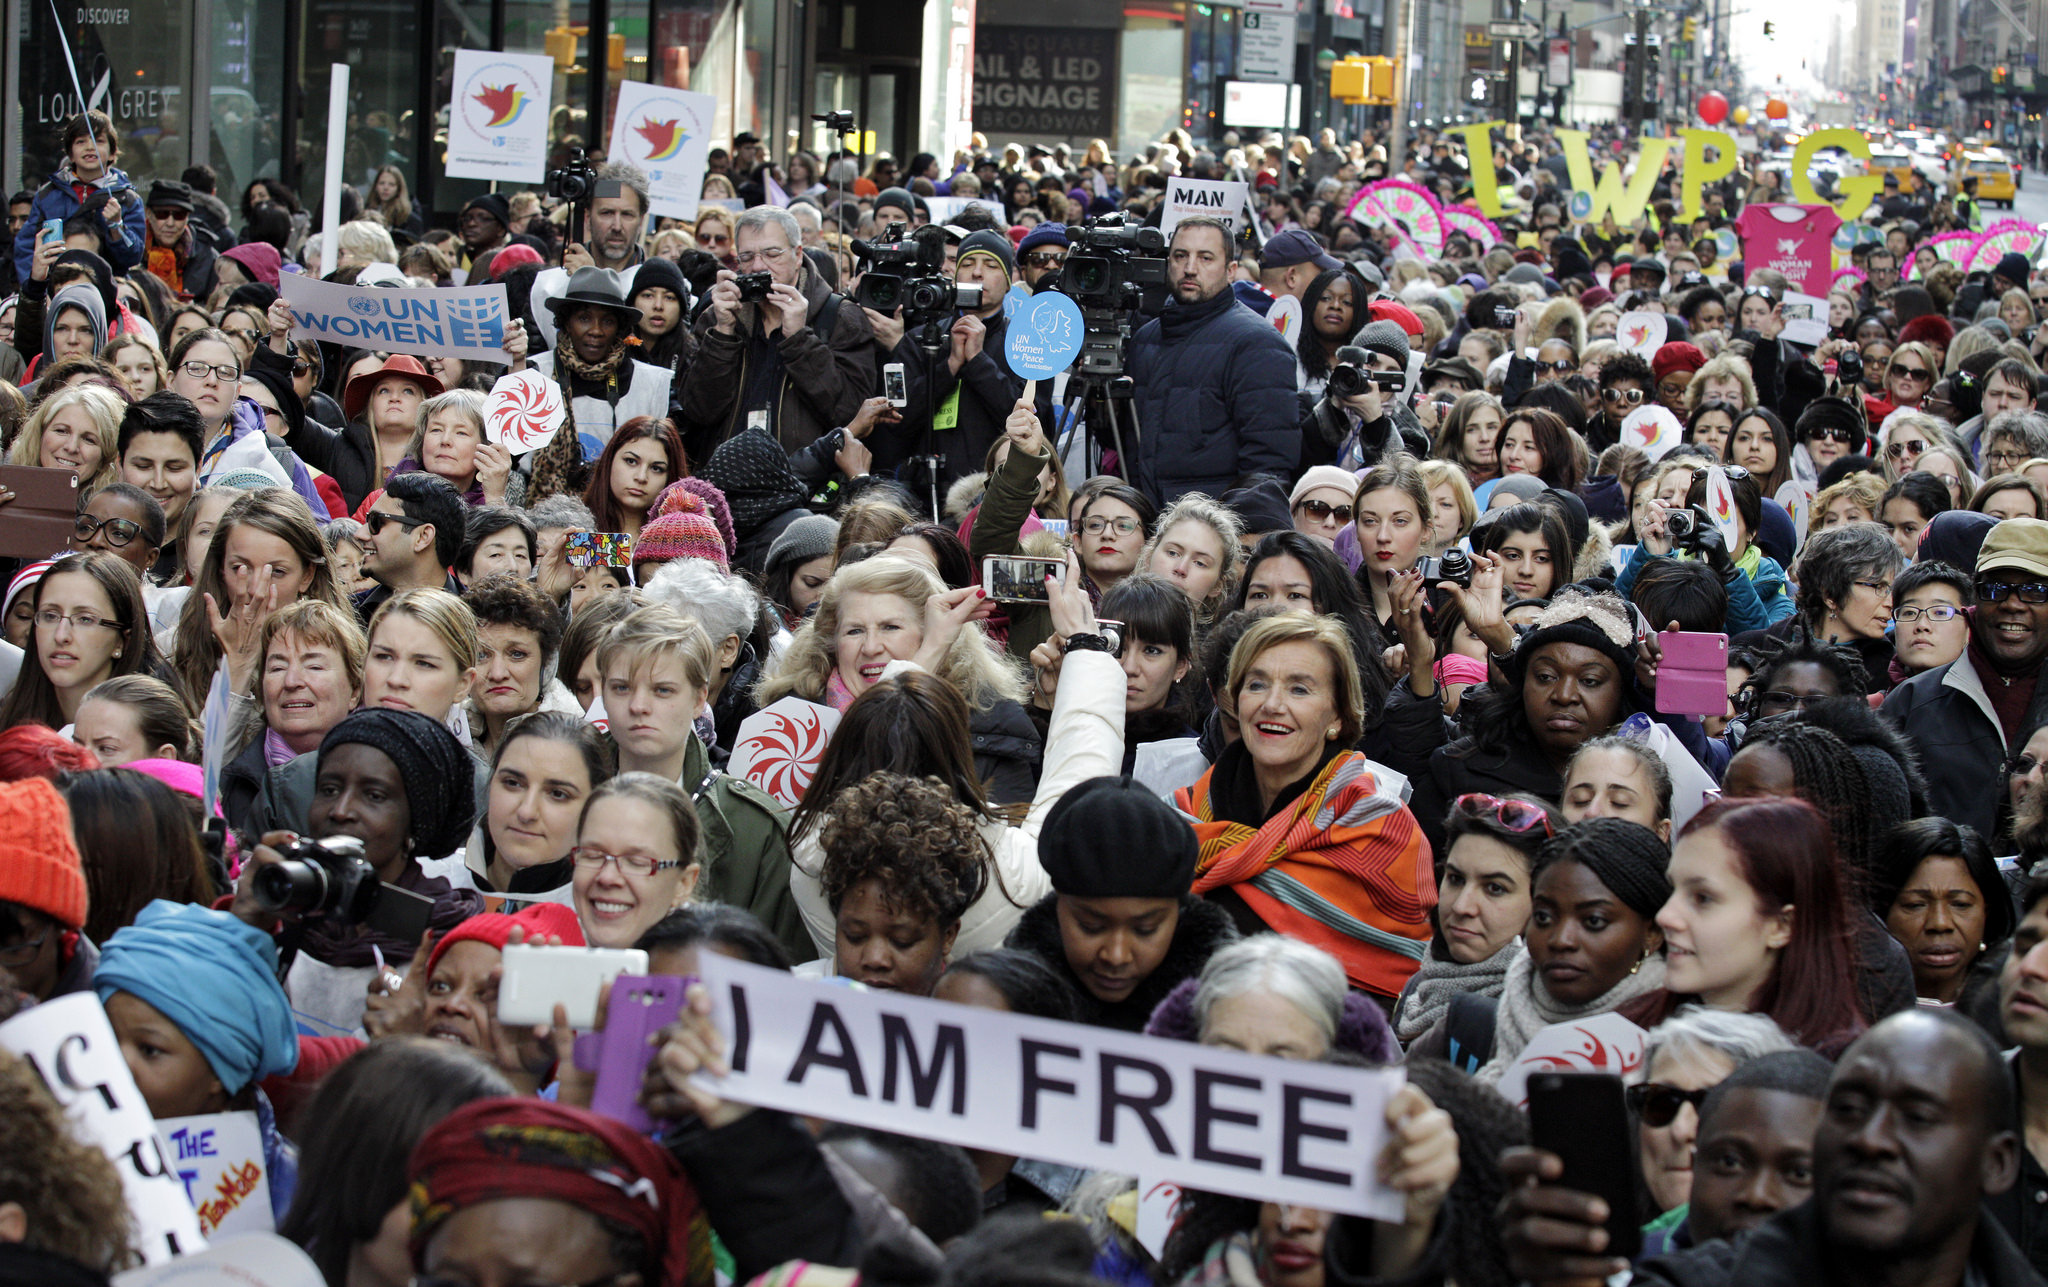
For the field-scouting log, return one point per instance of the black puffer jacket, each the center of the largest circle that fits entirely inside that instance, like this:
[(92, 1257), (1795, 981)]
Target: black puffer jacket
[(1215, 400), (1007, 751), (1203, 928)]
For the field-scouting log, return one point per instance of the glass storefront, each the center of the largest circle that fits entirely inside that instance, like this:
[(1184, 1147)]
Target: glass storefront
[(133, 61)]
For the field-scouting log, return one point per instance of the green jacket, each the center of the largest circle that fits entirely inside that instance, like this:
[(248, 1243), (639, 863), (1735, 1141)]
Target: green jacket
[(746, 849)]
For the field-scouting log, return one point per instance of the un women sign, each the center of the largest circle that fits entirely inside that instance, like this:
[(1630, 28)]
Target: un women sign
[(463, 322)]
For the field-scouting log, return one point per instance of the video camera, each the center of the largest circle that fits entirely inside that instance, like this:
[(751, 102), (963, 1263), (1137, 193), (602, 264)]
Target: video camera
[(574, 180), (1112, 269), (907, 273)]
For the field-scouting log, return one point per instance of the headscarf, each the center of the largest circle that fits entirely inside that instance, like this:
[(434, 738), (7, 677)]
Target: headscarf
[(436, 770), (494, 1149), (212, 976), (259, 258), (753, 471)]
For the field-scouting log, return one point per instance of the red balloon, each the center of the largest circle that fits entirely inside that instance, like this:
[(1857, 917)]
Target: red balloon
[(1713, 107)]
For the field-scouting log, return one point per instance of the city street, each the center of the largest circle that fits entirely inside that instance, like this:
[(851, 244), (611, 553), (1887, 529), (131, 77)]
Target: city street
[(2030, 204)]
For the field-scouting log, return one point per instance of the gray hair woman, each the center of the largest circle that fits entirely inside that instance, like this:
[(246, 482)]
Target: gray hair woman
[(1845, 591), (1688, 1055)]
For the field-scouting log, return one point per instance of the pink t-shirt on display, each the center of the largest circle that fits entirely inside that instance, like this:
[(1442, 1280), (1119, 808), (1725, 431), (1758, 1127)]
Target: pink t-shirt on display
[(1795, 240)]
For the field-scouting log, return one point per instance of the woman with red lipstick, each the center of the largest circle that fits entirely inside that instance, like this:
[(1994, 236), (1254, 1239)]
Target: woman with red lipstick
[(1392, 518), (1592, 938), (642, 458), (1114, 524), (1482, 906), (1290, 805), (1940, 894)]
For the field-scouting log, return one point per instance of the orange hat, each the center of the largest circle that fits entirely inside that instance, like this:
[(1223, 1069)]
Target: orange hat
[(39, 864)]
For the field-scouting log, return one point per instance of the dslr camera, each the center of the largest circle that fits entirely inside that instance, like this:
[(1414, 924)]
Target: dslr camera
[(906, 273), (328, 878), (573, 180), (1849, 367), (754, 287)]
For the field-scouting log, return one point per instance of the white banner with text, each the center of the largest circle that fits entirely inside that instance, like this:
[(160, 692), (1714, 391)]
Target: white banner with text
[(465, 322)]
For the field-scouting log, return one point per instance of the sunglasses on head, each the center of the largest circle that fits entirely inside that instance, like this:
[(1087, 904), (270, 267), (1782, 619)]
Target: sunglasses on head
[(1658, 1104), (1323, 511), (1516, 815)]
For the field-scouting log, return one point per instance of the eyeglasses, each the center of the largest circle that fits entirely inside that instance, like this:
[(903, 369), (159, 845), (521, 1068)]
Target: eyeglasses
[(200, 370), (1933, 612), (2002, 461), (1560, 366), (1835, 433), (1912, 372), (1122, 526), (1882, 588), (119, 531), (241, 332), (20, 954), (1047, 259), (1630, 396), (2020, 766), (170, 216), (1777, 701), (48, 618), (1658, 1104), (1516, 815), (1898, 449), (2035, 592), (377, 518), (771, 256), (1323, 511), (300, 367), (593, 859)]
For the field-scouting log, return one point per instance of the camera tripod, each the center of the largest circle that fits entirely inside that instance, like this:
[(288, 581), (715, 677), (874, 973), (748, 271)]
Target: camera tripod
[(1094, 400)]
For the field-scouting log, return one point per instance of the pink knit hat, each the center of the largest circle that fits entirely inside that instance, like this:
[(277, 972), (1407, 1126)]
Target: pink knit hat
[(679, 528)]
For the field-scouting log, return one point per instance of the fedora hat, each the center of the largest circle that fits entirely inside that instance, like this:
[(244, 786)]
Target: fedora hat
[(357, 392), (600, 286)]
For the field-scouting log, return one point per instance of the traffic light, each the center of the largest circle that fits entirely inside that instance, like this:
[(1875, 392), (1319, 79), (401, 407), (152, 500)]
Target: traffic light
[(1379, 81), (1348, 80), (1770, 31), (1480, 93), (1690, 30)]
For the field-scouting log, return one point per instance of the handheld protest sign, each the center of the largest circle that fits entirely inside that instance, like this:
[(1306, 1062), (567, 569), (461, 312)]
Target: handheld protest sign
[(247, 1260), (780, 745), (1043, 337), (1721, 506), (466, 322), (1653, 428), (72, 1047), (1642, 333), (1285, 317), (1015, 298), (1604, 1043), (523, 410), (219, 1157)]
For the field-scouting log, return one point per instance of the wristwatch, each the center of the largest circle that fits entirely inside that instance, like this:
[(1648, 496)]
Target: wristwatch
[(1087, 643)]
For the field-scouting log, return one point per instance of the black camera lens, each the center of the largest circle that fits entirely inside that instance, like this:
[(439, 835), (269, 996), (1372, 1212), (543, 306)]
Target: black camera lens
[(292, 885), (1455, 567), (1346, 381), (1086, 274)]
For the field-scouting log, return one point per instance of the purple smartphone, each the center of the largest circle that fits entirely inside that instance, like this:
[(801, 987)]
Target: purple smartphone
[(1692, 677), (641, 1006)]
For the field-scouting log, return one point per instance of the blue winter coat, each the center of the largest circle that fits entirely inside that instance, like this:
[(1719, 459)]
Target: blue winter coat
[(122, 246), (1215, 400)]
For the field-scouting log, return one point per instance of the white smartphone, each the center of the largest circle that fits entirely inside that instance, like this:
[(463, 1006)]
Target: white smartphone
[(537, 979), (893, 387)]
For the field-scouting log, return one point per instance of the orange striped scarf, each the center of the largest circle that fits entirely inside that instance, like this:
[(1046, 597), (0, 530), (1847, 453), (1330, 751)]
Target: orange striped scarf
[(1344, 867)]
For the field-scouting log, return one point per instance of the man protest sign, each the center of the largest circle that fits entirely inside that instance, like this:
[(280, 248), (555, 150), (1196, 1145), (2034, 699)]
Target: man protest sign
[(498, 119), (467, 322), (1273, 1130), (667, 133), (1221, 199), (72, 1047)]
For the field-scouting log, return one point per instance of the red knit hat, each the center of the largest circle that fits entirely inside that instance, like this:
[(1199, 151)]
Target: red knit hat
[(1676, 357), (39, 865), (679, 528), (1931, 328), (538, 920), (1386, 310)]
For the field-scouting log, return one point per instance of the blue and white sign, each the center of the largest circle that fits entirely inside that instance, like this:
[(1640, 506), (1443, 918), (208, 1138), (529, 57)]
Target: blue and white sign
[(498, 119), (1044, 336), (1014, 299), (461, 322), (1580, 205)]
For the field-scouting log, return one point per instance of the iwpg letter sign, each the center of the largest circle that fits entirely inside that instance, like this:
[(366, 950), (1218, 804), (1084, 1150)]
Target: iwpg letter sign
[(464, 322)]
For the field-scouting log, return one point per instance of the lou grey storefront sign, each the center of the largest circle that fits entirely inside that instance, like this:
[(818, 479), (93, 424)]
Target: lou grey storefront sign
[(1028, 80)]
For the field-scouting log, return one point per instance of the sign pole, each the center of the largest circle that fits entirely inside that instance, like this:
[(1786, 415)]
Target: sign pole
[(337, 143)]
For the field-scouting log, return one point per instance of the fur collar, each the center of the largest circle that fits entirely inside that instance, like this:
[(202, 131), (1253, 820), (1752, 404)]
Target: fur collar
[(1204, 927)]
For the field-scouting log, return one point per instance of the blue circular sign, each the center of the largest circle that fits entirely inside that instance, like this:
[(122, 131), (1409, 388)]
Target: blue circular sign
[(1044, 336)]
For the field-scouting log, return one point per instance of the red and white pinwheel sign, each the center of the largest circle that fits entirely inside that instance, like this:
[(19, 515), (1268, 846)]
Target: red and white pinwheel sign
[(523, 410), (780, 746)]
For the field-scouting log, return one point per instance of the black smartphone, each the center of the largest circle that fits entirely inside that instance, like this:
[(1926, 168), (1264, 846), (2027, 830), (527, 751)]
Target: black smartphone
[(1583, 1118)]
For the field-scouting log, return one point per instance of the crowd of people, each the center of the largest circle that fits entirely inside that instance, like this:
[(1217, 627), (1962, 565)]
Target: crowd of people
[(1335, 732)]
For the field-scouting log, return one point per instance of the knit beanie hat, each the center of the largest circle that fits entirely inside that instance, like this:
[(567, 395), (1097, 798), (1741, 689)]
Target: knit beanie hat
[(810, 537), (662, 272), (1261, 507), (514, 256), (492, 204), (289, 404), (991, 243), (1045, 234), (715, 508), (1525, 488), (1931, 328), (1111, 837), (539, 920), (685, 532), (1385, 337), (898, 198), (1628, 857), (1676, 357), (244, 480), (1602, 622), (1954, 537), (24, 582), (1386, 310), (2012, 266), (1322, 476), (436, 769), (39, 863), (1830, 413)]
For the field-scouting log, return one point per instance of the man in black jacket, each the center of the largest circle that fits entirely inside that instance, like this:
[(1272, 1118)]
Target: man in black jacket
[(1215, 384), (177, 253), (1915, 1137)]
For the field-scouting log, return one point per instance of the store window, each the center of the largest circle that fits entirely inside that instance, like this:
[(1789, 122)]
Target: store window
[(133, 60), (380, 43), (1152, 58)]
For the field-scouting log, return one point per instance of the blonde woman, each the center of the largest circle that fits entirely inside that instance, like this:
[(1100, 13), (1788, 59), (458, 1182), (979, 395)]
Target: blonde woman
[(891, 608), (76, 429), (139, 364), (1452, 510), (1195, 546), (1856, 499), (1725, 378)]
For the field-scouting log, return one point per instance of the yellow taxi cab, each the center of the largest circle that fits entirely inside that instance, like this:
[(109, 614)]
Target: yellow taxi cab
[(1893, 160), (1993, 175)]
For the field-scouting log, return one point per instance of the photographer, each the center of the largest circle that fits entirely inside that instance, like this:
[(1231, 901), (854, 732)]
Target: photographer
[(618, 216), (963, 391), (1361, 415), (1215, 385), (797, 359)]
